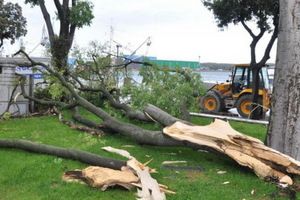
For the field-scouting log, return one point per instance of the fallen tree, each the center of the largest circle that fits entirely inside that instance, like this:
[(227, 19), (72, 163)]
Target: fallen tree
[(221, 138), (82, 156)]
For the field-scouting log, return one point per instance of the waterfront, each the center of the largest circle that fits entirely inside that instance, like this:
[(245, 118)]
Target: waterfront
[(215, 76), (206, 76)]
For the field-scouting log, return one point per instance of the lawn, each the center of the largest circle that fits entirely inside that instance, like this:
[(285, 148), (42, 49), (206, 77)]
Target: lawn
[(33, 176)]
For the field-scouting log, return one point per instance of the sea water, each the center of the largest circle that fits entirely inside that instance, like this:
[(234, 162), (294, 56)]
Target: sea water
[(206, 76)]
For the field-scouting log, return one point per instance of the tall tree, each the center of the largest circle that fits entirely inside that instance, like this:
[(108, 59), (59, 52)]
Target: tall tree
[(284, 129), (12, 22), (71, 15), (264, 13)]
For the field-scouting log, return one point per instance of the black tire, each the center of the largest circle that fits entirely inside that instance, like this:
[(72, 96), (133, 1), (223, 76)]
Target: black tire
[(245, 103), (211, 102)]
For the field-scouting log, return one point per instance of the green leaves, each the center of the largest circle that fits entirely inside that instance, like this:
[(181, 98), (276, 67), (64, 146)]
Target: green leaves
[(12, 22), (235, 11), (166, 88), (81, 14), (33, 2)]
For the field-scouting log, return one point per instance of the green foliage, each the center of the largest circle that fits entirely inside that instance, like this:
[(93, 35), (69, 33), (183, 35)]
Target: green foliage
[(12, 22), (235, 11), (95, 69), (33, 2), (81, 14), (56, 90), (166, 88), (41, 93), (6, 116)]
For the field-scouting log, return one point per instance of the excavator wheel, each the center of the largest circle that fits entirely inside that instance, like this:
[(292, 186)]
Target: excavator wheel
[(244, 105), (211, 102)]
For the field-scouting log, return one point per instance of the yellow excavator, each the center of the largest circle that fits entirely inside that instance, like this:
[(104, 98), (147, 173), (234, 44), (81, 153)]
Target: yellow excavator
[(237, 92)]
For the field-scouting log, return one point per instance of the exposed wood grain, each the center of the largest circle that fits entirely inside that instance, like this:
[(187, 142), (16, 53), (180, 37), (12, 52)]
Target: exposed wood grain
[(245, 150)]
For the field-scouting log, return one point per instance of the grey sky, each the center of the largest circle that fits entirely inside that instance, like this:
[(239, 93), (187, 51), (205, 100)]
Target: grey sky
[(180, 30)]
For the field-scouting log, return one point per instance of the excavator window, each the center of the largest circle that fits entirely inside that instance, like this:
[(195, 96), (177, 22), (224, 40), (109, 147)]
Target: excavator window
[(262, 78), (239, 80), (242, 78)]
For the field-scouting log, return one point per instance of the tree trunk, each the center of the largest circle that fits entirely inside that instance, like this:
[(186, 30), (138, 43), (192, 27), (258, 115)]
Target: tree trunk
[(255, 96), (60, 50), (82, 156), (284, 130)]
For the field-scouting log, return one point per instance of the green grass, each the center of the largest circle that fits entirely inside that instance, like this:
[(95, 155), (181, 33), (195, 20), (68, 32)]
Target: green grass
[(26, 175)]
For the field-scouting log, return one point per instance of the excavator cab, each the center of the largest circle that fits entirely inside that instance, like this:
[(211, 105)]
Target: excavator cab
[(242, 78), (237, 93)]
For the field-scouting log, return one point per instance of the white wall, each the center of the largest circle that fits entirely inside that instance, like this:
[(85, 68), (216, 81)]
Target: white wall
[(7, 83)]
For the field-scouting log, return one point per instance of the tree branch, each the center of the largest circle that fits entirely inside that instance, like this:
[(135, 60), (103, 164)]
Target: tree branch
[(41, 101), (82, 156), (248, 29), (48, 21), (11, 99), (140, 135), (1, 42), (59, 9), (253, 47), (269, 47), (129, 112)]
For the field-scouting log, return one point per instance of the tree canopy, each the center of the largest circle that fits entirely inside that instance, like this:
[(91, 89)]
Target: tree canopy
[(265, 13), (12, 22), (71, 15)]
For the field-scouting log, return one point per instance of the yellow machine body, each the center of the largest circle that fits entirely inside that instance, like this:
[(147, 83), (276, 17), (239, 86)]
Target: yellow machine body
[(237, 93)]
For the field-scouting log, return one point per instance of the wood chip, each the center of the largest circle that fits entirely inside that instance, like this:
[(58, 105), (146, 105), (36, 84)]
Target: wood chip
[(173, 162), (100, 177), (150, 189), (120, 152)]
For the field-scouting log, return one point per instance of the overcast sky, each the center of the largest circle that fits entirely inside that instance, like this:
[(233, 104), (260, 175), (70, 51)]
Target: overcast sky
[(179, 30)]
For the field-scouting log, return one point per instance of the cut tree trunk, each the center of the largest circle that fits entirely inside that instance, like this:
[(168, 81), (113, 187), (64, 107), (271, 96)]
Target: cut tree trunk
[(245, 150), (100, 177), (135, 174)]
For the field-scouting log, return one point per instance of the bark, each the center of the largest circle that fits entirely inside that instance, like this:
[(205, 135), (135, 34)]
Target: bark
[(284, 130), (60, 44), (82, 156), (255, 96), (72, 125), (89, 123), (160, 116), (128, 111)]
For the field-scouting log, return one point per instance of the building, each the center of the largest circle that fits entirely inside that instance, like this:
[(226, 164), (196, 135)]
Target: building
[(194, 65), (177, 64), (9, 68)]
